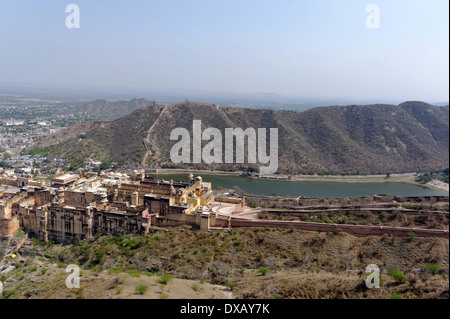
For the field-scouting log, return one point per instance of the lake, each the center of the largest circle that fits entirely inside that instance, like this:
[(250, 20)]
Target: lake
[(310, 188)]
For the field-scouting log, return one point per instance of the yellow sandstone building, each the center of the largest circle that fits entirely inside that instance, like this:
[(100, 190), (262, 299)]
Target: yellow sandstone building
[(81, 207)]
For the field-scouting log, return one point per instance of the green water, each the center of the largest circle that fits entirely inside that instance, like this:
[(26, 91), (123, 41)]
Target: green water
[(309, 188)]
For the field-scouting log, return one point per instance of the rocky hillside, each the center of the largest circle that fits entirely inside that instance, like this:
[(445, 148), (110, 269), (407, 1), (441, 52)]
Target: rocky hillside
[(375, 139), (252, 263)]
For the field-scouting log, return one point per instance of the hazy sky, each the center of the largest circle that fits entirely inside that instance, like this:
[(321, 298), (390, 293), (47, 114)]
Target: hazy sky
[(319, 48)]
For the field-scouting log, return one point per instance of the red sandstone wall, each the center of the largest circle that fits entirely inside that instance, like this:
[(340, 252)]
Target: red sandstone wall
[(353, 229)]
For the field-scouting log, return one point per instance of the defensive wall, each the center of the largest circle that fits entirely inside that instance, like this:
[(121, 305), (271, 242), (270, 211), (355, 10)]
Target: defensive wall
[(352, 229)]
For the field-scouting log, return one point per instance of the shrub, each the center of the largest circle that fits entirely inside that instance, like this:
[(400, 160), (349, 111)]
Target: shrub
[(195, 287), (119, 289), (164, 279), (395, 296), (134, 272), (80, 294), (229, 285), (116, 270), (134, 243), (9, 293), (263, 270), (397, 275), (95, 268), (252, 203), (141, 289), (433, 268), (412, 234), (163, 296)]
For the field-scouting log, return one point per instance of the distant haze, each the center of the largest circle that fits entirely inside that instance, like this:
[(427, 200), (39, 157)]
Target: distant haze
[(285, 50)]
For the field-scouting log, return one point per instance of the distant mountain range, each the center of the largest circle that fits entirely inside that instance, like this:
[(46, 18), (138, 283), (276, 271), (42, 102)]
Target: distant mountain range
[(107, 110), (374, 139)]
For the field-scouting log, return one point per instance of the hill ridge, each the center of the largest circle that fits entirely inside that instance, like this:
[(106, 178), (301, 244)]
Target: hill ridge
[(375, 139)]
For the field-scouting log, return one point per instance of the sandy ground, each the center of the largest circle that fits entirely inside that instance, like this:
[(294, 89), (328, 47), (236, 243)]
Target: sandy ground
[(175, 289), (439, 185), (102, 285)]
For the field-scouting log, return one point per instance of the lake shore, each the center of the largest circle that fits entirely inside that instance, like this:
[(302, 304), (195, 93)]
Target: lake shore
[(409, 178), (406, 178), (438, 185)]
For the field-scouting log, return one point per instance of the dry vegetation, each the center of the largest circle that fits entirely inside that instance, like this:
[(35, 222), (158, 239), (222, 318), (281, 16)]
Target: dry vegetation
[(253, 263), (384, 218), (430, 214)]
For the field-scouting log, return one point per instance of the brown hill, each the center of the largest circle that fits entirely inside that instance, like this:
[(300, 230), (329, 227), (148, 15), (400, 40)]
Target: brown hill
[(413, 136), (299, 265)]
